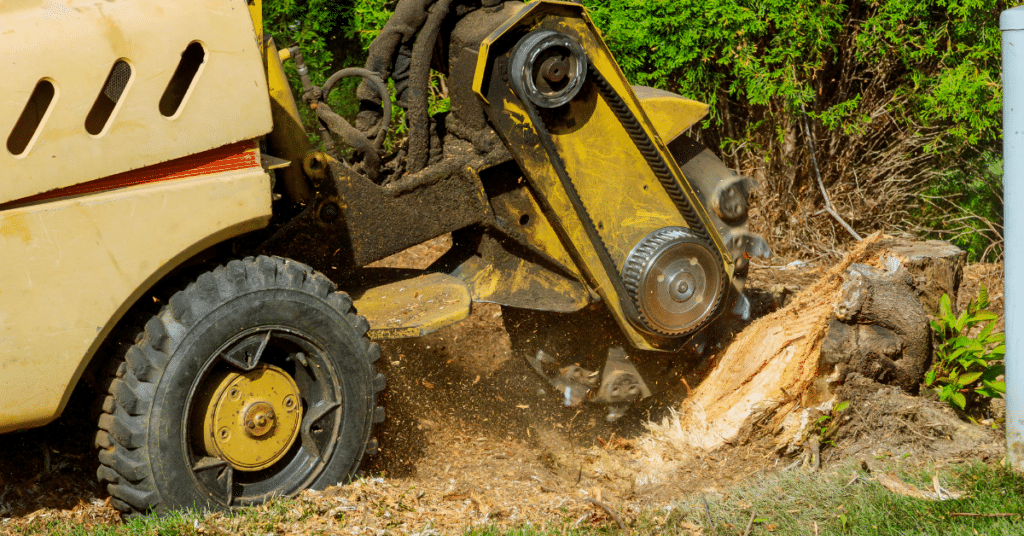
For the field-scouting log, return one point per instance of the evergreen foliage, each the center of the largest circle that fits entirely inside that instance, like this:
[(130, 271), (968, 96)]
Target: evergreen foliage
[(905, 93)]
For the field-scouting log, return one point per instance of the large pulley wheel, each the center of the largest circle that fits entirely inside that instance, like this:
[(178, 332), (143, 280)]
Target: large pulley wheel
[(255, 381), (675, 281)]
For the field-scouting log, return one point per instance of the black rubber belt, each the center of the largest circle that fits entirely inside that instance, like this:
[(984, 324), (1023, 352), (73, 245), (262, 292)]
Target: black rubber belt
[(574, 199), (650, 153), (664, 175)]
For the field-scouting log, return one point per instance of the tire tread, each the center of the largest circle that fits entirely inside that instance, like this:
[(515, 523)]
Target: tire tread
[(122, 437)]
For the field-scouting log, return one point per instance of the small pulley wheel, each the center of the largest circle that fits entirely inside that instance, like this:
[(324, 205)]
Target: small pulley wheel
[(675, 282), (547, 68)]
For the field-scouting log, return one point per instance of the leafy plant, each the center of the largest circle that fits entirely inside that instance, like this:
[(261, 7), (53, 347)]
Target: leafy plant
[(965, 207), (967, 366), (827, 423)]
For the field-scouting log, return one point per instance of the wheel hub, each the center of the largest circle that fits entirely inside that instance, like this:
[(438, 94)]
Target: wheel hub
[(548, 68), (253, 418)]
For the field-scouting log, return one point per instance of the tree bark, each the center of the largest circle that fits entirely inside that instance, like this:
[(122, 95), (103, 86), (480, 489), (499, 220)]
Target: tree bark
[(879, 328)]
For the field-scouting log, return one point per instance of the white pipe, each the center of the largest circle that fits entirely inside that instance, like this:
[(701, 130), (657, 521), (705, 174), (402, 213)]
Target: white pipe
[(1011, 22)]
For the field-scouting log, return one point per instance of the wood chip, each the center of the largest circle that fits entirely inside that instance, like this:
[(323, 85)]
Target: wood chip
[(893, 483)]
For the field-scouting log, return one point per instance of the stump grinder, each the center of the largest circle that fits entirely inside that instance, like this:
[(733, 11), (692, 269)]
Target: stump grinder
[(170, 236)]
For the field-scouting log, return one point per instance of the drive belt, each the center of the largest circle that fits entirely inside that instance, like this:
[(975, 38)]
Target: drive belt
[(651, 155)]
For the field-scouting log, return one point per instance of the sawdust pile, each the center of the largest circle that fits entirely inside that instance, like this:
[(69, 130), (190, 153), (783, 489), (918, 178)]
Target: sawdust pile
[(767, 379)]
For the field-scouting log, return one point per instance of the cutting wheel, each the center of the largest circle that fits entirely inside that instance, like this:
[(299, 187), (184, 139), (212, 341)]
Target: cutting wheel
[(674, 280)]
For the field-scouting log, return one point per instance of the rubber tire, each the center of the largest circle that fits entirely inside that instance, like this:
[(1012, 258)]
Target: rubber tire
[(142, 438)]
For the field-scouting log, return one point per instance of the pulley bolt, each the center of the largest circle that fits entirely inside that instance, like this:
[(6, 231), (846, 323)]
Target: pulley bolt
[(554, 70), (225, 433), (330, 212), (251, 425), (289, 402)]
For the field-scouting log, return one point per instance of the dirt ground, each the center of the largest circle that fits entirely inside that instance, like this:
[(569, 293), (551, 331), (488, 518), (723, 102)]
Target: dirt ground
[(473, 436)]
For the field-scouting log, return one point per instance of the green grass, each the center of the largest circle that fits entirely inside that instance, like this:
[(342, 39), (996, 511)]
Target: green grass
[(787, 503), (790, 503)]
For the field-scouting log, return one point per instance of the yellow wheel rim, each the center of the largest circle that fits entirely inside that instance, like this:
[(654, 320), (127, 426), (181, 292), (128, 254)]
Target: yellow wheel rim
[(253, 418)]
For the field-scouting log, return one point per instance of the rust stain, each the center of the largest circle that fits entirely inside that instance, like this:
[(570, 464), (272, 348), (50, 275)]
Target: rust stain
[(10, 6), (14, 226), (1017, 448)]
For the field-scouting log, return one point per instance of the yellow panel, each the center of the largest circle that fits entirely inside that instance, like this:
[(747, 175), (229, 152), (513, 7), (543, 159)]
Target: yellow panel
[(539, 230), (671, 114), (256, 12), (622, 194), (414, 307), (75, 43), (288, 139), (72, 267)]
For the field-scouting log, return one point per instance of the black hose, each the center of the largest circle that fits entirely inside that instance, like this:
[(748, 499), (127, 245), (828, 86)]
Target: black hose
[(419, 87), (382, 91), (402, 27), (353, 137)]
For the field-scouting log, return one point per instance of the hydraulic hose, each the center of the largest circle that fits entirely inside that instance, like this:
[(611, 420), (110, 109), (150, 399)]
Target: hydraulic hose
[(419, 87)]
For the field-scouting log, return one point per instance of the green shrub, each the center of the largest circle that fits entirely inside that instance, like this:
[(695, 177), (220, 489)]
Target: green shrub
[(967, 367), (904, 99)]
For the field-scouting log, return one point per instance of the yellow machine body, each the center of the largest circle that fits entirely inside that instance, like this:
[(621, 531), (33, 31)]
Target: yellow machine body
[(89, 222), (622, 195)]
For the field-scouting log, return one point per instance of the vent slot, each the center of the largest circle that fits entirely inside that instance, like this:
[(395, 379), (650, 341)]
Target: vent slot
[(106, 102), (27, 129), (181, 84)]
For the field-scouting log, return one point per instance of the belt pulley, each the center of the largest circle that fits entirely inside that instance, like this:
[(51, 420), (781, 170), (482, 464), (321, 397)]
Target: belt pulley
[(672, 283)]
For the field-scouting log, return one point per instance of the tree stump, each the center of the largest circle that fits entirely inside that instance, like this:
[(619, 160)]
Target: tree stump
[(879, 329), (865, 314), (937, 268)]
